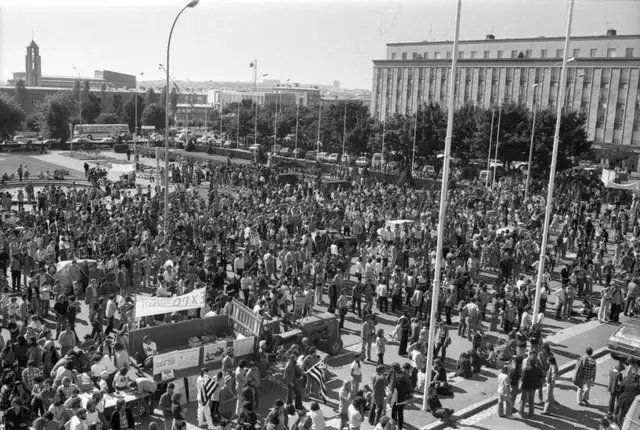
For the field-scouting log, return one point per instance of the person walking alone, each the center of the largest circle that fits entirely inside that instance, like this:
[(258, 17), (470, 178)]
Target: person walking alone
[(585, 376)]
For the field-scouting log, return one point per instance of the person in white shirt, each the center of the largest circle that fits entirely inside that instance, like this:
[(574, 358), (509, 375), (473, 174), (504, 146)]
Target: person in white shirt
[(382, 291), (150, 349), (504, 393)]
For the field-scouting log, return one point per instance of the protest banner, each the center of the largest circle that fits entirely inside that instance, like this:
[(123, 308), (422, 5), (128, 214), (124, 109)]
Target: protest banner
[(176, 360), (147, 305)]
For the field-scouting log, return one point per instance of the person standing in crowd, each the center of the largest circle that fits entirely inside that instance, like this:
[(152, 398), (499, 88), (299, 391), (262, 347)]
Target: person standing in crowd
[(504, 394), (585, 376)]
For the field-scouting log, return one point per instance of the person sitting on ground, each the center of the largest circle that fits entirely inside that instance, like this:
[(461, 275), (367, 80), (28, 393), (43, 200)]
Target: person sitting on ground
[(435, 406), (463, 367)]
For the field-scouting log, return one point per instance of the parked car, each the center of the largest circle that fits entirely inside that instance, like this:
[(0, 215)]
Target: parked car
[(285, 152), (625, 341), (332, 158), (255, 147), (107, 140), (320, 156), (363, 161), (276, 148), (228, 144), (298, 153), (79, 140), (311, 155), (324, 238)]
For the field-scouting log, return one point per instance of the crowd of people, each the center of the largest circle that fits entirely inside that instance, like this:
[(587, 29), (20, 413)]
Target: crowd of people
[(252, 235)]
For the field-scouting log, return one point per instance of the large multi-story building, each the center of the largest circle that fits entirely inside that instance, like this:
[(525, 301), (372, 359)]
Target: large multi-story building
[(602, 80), (32, 76)]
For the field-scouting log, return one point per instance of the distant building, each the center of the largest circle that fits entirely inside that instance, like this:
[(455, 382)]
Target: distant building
[(33, 77), (602, 82), (336, 85), (35, 95), (283, 96)]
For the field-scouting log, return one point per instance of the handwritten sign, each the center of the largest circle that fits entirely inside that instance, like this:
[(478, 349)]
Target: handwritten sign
[(176, 360), (147, 305)]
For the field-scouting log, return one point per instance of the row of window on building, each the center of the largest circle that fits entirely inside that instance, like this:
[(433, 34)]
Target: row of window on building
[(593, 52), (427, 93)]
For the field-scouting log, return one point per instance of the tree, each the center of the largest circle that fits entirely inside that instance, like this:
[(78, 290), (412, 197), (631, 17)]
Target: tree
[(154, 115), (91, 108), (150, 97), (432, 129), (54, 115), (20, 93), (464, 127), (85, 91), (173, 99), (573, 143), (108, 118), (117, 107), (11, 116), (130, 112)]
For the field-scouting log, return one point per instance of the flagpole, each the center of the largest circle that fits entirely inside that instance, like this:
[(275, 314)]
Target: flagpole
[(486, 181), (443, 211), (495, 159), (415, 132), (554, 162)]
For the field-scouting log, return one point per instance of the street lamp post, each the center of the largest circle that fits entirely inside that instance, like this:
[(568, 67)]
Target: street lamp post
[(191, 4), (79, 108), (319, 120), (135, 119), (344, 129), (533, 126)]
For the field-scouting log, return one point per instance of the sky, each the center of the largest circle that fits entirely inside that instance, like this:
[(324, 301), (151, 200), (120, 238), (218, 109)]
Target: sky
[(307, 41)]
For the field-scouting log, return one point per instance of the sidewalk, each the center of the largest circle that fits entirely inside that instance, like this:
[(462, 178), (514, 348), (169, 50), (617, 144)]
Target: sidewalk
[(567, 345)]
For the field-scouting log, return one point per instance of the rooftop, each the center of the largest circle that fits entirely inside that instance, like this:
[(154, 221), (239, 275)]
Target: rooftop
[(522, 39)]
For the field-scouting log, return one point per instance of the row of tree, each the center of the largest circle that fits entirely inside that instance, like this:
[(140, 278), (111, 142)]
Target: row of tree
[(473, 128), (333, 125)]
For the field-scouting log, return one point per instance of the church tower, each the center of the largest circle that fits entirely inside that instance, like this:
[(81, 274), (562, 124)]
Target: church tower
[(33, 69)]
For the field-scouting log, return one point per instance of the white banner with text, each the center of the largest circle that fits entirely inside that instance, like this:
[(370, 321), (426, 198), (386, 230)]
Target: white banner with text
[(147, 305)]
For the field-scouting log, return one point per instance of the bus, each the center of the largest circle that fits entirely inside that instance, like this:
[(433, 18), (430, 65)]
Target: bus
[(99, 131)]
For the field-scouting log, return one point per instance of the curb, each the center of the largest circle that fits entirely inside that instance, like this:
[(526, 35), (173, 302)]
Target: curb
[(491, 401)]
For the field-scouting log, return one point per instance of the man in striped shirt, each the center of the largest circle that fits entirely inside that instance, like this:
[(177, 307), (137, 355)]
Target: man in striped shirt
[(204, 410)]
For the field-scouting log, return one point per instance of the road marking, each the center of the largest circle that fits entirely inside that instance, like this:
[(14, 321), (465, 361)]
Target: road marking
[(474, 419)]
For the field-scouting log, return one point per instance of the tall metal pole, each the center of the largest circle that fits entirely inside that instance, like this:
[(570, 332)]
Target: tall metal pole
[(295, 151), (443, 211), (319, 119), (384, 123), (275, 129), (415, 134), (344, 129), (255, 123), (191, 4), (554, 161), (486, 181), (533, 131), (238, 128), (135, 121), (495, 158)]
